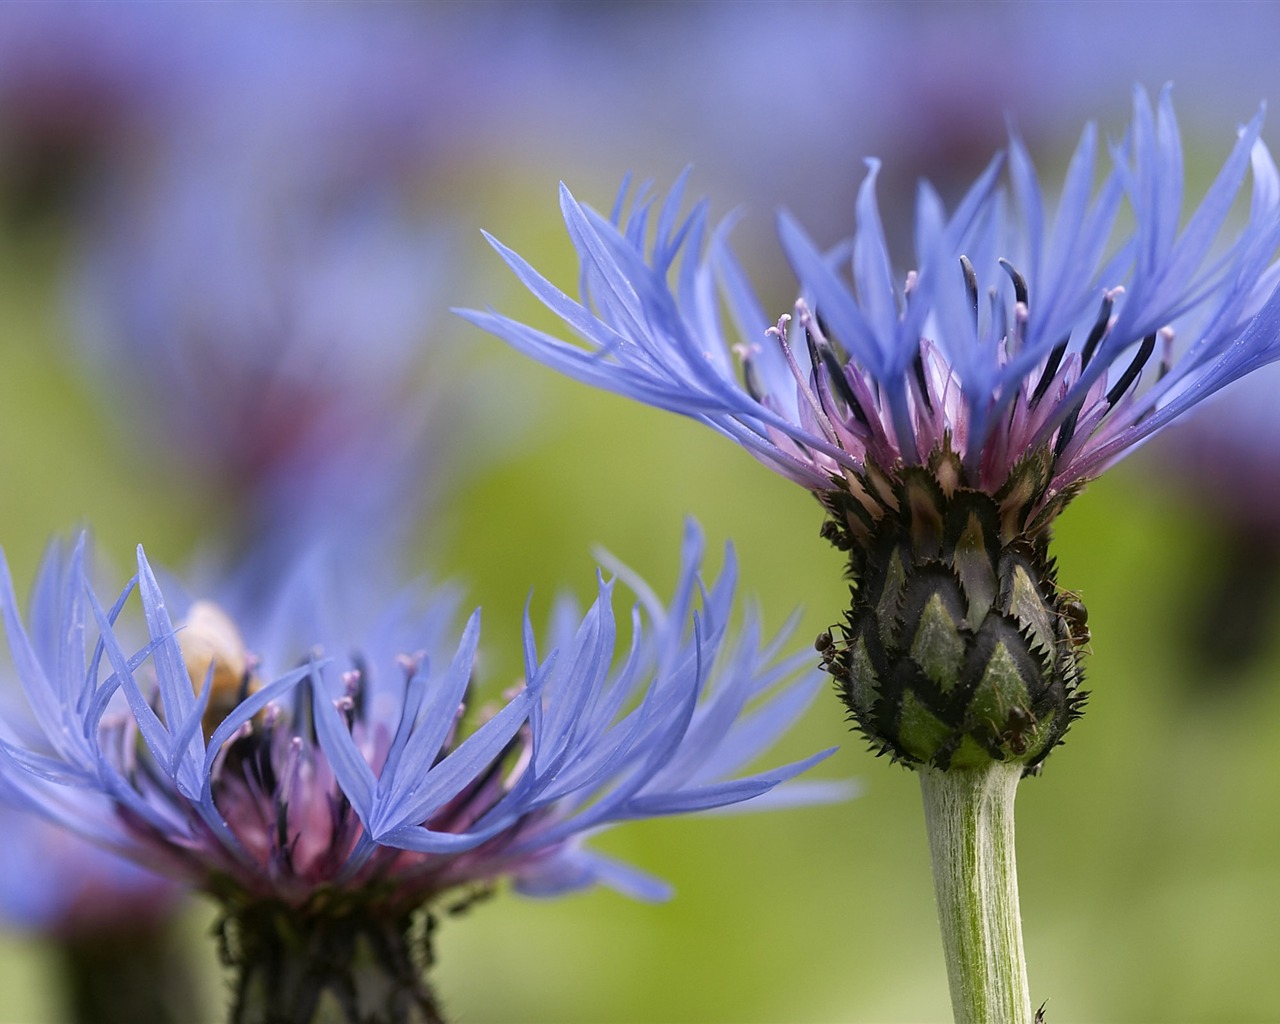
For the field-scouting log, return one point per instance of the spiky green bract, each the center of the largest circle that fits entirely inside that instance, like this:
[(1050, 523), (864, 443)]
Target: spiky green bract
[(958, 648)]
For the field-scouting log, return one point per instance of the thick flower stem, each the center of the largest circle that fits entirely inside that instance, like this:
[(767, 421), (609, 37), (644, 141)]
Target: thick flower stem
[(297, 966), (969, 817)]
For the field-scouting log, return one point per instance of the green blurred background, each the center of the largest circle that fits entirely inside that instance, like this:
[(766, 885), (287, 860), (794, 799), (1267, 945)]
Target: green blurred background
[(1147, 849)]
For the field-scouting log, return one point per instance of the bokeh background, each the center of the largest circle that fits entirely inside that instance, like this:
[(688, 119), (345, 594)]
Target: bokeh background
[(132, 135)]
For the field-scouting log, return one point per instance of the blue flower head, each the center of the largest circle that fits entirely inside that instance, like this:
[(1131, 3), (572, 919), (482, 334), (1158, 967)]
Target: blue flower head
[(326, 768), (1022, 332), (946, 414)]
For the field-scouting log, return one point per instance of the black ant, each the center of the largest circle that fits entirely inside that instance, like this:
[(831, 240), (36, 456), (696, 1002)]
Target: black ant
[(1077, 616), (1019, 723), (828, 646), (1016, 726)]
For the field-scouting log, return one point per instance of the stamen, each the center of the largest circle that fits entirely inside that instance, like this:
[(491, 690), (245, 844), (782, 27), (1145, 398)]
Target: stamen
[(1166, 355), (749, 379), (1131, 374), (283, 792), (1050, 370), (820, 351), (360, 692), (824, 336), (1020, 317), (1010, 341), (822, 381), (1019, 282), (922, 383), (971, 285), (1066, 431), (1098, 330), (802, 384), (751, 382), (346, 708)]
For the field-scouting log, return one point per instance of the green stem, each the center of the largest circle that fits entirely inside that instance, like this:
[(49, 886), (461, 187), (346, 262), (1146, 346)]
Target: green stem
[(969, 816)]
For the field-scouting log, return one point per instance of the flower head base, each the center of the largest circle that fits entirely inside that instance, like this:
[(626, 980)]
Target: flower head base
[(955, 414), (958, 647)]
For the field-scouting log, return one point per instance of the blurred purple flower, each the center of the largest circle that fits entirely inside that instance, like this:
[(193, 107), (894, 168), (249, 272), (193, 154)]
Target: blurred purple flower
[(258, 269), (271, 338), (58, 885), (351, 94)]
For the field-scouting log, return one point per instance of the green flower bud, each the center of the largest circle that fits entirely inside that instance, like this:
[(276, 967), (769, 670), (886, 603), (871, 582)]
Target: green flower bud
[(958, 648)]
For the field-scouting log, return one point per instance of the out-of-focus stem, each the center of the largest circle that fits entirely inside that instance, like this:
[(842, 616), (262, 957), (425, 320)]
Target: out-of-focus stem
[(303, 967)]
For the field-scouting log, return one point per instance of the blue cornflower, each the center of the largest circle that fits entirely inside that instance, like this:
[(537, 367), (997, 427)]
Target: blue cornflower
[(948, 415), (1014, 335), (353, 780)]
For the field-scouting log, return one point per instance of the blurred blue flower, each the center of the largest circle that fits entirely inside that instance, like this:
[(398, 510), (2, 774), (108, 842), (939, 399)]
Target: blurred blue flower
[(353, 95), (58, 885), (1023, 334), (274, 333), (256, 265), (110, 926), (362, 766)]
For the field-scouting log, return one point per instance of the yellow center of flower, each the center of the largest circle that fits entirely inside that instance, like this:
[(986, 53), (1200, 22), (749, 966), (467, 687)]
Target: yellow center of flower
[(214, 653)]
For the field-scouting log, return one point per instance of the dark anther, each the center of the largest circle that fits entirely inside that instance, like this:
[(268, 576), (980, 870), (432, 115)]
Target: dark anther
[(242, 691), (1050, 369), (1066, 432), (360, 695), (1019, 282), (841, 355), (821, 353), (1135, 368), (1095, 333), (917, 364), (971, 284), (1091, 343), (282, 828), (836, 371), (750, 382), (821, 381), (821, 321)]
